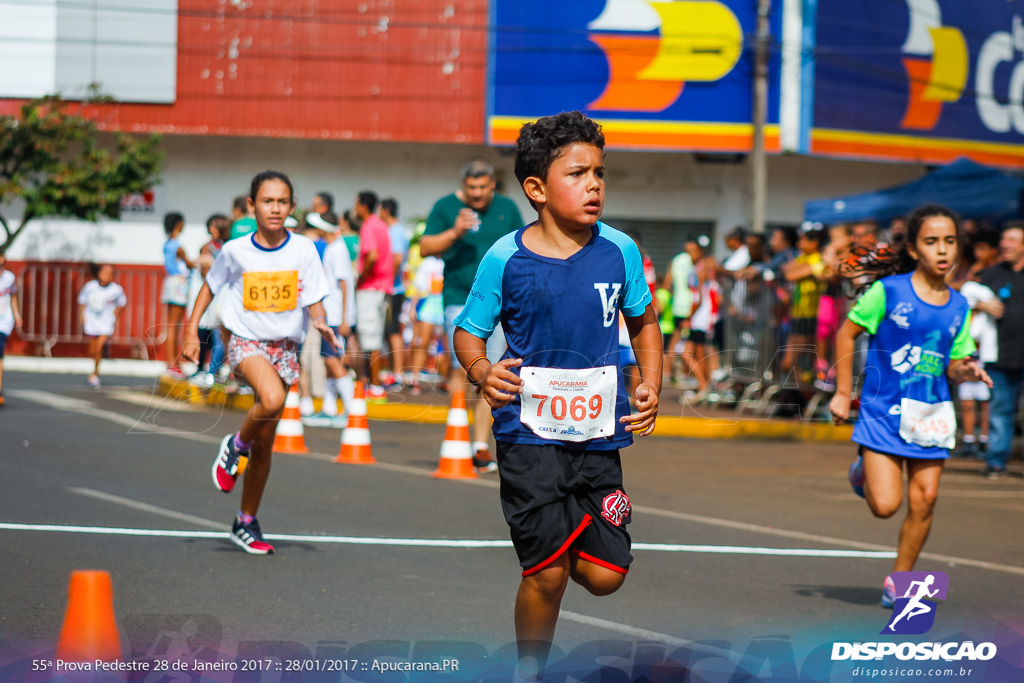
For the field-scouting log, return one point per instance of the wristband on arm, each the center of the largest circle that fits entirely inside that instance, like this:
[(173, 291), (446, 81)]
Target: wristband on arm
[(469, 370)]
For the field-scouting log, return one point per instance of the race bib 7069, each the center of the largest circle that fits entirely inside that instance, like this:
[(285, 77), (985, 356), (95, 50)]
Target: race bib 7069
[(569, 405)]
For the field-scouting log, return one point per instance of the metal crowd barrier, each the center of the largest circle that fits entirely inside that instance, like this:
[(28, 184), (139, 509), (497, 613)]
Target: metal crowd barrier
[(755, 315), (750, 342), (48, 294)]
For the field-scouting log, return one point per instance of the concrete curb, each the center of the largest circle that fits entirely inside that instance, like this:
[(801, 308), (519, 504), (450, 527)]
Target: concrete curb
[(685, 427), (122, 367)]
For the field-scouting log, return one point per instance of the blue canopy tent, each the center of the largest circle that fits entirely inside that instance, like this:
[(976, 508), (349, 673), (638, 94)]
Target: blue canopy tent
[(968, 188)]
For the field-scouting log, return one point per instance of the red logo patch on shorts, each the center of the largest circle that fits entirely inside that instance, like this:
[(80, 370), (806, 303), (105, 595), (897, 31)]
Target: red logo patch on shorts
[(615, 508)]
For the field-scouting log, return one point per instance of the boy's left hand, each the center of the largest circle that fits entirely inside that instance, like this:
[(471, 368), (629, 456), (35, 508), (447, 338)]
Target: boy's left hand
[(647, 410), (326, 332)]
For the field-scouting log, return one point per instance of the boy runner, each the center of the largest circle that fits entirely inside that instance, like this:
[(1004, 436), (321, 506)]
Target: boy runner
[(270, 278), (559, 404)]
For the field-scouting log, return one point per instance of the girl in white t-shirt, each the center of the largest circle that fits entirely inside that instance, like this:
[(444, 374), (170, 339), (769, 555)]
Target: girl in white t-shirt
[(271, 282), (99, 304)]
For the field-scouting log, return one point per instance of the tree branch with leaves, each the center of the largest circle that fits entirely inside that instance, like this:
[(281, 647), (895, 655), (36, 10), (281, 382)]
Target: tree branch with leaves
[(53, 164)]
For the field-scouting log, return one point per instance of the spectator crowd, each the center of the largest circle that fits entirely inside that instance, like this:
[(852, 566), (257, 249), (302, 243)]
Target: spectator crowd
[(756, 322)]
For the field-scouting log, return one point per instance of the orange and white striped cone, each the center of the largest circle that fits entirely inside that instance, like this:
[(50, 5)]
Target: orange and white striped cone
[(456, 449), (289, 436), (355, 440)]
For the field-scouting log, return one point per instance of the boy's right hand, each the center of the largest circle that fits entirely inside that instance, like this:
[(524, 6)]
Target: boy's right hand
[(190, 347), (500, 386), (839, 406)]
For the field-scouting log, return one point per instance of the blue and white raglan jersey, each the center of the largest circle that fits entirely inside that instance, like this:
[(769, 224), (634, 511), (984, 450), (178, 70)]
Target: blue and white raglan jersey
[(564, 314), (905, 404)]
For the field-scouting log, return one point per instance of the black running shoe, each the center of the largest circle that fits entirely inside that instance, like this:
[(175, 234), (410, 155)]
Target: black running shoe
[(249, 537), (229, 464), (483, 462)]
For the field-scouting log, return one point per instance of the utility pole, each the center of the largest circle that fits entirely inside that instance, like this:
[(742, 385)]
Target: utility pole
[(758, 162)]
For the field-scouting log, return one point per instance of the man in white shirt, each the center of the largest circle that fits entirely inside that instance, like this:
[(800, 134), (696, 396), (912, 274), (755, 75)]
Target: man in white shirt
[(739, 257), (340, 308)]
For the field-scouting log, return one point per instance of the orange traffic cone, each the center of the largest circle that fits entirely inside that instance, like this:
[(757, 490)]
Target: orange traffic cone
[(289, 437), (89, 632), (456, 450), (355, 440)]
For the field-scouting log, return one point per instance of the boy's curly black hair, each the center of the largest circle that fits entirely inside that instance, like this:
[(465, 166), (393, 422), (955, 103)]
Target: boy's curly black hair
[(542, 142)]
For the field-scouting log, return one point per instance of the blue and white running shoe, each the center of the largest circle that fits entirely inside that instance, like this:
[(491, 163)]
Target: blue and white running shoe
[(888, 593), (857, 476)]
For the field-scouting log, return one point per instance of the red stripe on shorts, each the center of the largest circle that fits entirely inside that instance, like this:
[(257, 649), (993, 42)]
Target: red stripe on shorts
[(601, 563), (572, 537)]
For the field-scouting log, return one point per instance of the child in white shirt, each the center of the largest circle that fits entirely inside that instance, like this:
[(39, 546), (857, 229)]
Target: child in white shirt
[(100, 303)]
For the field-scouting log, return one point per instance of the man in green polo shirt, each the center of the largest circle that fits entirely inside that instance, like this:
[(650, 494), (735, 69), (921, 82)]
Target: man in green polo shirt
[(460, 229)]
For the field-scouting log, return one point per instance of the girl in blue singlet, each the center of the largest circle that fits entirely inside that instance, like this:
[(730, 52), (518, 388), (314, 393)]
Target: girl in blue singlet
[(919, 330)]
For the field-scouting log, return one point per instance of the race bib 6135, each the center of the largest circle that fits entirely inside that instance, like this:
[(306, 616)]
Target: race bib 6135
[(271, 292)]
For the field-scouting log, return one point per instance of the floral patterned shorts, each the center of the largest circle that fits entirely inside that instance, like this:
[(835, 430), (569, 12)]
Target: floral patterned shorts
[(283, 354)]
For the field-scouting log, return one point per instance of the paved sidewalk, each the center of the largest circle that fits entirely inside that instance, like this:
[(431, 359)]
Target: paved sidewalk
[(117, 367)]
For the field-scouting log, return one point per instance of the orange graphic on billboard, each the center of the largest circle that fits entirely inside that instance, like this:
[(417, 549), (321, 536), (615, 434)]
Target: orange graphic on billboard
[(695, 41), (936, 64)]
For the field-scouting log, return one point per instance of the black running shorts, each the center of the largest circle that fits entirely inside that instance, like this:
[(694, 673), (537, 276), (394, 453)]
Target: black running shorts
[(556, 499), (393, 324)]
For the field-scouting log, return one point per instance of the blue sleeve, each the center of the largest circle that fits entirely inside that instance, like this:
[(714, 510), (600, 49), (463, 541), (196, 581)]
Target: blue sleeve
[(482, 311), (636, 294)]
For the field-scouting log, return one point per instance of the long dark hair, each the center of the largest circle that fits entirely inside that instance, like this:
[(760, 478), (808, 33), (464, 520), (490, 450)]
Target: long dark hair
[(171, 221), (865, 266)]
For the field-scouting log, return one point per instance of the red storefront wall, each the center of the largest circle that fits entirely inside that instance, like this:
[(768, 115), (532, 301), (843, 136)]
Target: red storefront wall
[(404, 70)]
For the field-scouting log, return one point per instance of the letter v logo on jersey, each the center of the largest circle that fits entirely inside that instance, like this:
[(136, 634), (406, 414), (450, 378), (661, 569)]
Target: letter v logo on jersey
[(608, 300)]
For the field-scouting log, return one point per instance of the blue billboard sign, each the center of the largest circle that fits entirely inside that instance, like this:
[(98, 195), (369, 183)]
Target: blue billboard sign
[(918, 80), (657, 75)]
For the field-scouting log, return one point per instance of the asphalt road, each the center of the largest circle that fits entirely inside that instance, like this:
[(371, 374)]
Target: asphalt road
[(123, 458)]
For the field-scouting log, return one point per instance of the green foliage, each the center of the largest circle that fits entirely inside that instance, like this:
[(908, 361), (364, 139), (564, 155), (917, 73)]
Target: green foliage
[(52, 163)]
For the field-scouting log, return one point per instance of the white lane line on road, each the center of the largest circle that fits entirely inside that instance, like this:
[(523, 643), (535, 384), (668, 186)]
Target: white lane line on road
[(82, 407), (427, 542), (642, 634), (744, 550), (420, 472), (756, 528), (955, 493), (825, 540), (85, 407), (113, 531), (135, 424), (146, 507), (661, 547), (134, 397)]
